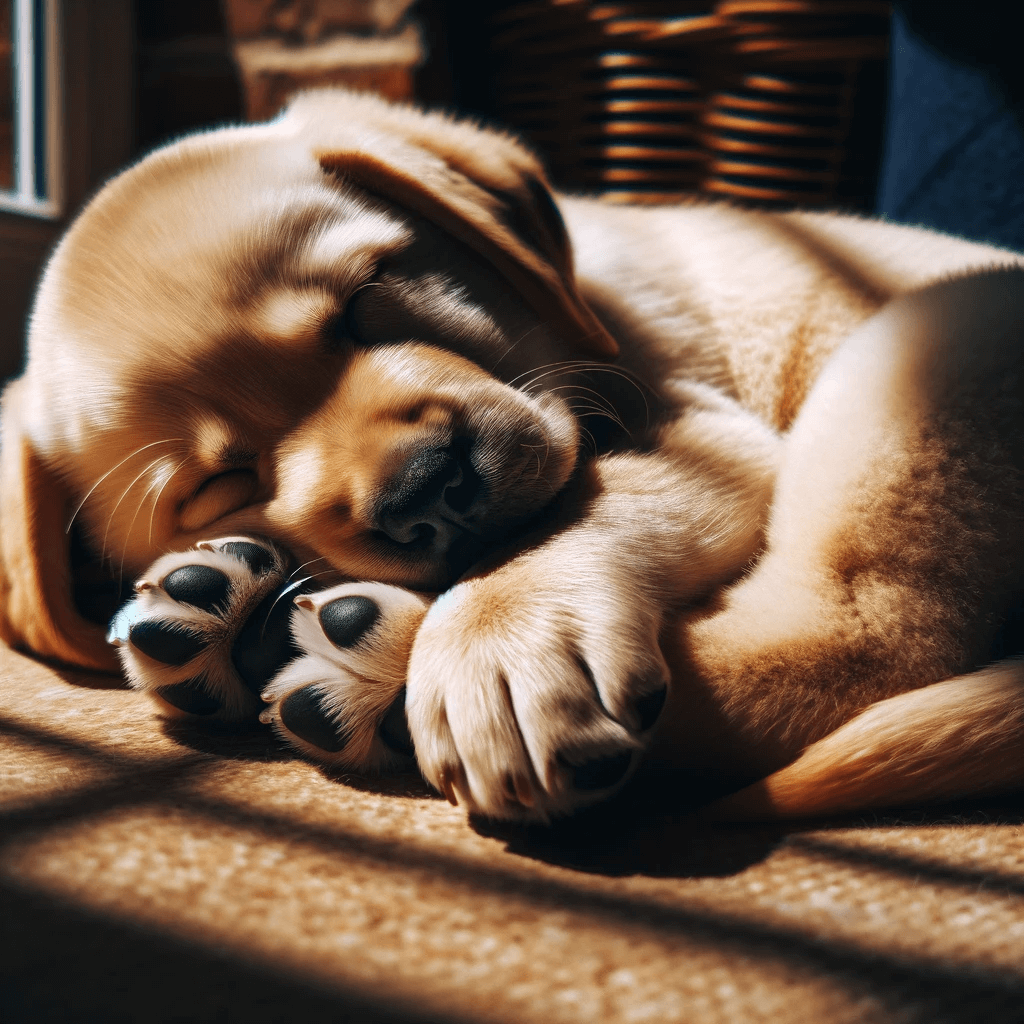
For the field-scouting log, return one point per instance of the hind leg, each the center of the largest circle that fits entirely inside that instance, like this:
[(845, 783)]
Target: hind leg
[(894, 546)]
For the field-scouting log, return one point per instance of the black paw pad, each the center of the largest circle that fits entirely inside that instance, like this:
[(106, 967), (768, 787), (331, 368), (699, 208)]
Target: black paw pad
[(165, 642), (190, 696), (197, 585), (648, 707), (264, 644), (259, 559), (304, 714), (347, 619), (394, 729), (602, 772)]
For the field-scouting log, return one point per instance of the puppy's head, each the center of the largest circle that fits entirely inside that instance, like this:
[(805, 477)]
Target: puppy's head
[(343, 330)]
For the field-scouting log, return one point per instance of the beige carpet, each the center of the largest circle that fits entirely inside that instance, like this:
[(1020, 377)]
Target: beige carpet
[(205, 878)]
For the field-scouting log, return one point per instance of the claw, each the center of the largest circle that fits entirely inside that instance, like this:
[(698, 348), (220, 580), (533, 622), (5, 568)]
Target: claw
[(447, 786)]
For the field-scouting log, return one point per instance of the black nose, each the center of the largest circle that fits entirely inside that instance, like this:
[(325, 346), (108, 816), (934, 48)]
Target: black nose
[(426, 501)]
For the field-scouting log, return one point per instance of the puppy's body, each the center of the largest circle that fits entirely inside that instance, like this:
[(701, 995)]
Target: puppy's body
[(828, 409), (899, 487)]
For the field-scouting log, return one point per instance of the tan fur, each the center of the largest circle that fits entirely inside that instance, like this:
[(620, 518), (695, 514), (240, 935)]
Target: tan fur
[(830, 419)]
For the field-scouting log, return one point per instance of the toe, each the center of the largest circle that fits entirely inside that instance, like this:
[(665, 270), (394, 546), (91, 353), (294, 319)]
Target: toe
[(166, 642), (304, 713), (346, 620), (201, 586), (190, 696)]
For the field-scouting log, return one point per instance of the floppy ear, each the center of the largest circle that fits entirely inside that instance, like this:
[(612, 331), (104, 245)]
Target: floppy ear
[(482, 187), (37, 611)]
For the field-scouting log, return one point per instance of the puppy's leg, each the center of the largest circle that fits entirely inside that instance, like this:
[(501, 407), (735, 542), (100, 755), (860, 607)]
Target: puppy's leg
[(894, 550), (533, 688), (343, 701)]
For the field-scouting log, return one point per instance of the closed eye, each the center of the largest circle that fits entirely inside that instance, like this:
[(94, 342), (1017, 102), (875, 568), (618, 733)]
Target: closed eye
[(216, 497), (346, 327)]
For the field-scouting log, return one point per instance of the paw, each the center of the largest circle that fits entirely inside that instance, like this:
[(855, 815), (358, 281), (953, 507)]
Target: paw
[(208, 628), (343, 702), (532, 701)]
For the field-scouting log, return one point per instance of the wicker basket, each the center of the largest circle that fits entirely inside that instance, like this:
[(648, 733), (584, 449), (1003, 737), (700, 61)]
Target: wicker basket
[(770, 101)]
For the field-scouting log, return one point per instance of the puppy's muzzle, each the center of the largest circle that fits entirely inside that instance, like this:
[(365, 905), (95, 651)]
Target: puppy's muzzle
[(426, 506)]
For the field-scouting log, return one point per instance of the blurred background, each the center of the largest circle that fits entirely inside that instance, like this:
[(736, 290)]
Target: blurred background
[(910, 110)]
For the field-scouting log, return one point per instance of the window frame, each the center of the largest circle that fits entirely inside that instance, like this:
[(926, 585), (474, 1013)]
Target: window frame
[(38, 116), (89, 134)]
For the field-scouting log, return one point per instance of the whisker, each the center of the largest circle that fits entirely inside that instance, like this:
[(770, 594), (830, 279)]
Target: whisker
[(587, 439), (598, 405), (295, 572), (124, 494), (81, 504), (131, 525), (591, 404), (591, 367), (287, 590), (580, 389), (577, 366), (514, 346), (538, 373), (156, 500), (580, 370)]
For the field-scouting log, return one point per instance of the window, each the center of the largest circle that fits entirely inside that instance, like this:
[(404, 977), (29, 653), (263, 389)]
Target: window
[(65, 126), (30, 115)]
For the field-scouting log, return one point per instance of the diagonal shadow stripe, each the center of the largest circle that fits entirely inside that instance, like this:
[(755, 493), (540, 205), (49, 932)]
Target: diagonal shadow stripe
[(96, 752), (63, 964), (128, 779), (948, 991), (913, 869), (851, 265)]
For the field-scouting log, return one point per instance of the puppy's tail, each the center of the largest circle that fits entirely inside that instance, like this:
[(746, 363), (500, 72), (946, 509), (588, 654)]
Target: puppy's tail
[(961, 737)]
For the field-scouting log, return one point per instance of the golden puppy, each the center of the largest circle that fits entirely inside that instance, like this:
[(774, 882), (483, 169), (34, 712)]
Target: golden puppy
[(740, 490)]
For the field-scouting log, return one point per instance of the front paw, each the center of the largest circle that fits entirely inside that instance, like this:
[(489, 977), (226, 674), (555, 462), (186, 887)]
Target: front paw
[(208, 628), (530, 701), (342, 703)]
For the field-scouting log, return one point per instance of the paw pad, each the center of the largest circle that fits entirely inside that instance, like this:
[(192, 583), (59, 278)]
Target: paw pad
[(219, 632), (190, 696), (198, 585), (304, 713), (166, 642), (346, 620)]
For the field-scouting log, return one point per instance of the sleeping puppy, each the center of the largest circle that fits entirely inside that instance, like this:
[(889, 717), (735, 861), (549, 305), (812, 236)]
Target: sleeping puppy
[(739, 492)]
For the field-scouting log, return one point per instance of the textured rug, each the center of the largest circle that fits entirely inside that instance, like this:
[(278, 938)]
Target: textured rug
[(157, 877)]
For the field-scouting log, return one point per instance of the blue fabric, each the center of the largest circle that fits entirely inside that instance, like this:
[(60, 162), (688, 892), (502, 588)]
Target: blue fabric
[(954, 147)]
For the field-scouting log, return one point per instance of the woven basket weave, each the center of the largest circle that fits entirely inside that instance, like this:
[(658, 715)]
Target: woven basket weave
[(776, 102)]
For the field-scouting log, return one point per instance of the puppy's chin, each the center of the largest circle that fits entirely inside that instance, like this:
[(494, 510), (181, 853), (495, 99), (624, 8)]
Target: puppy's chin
[(466, 552), (384, 561)]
